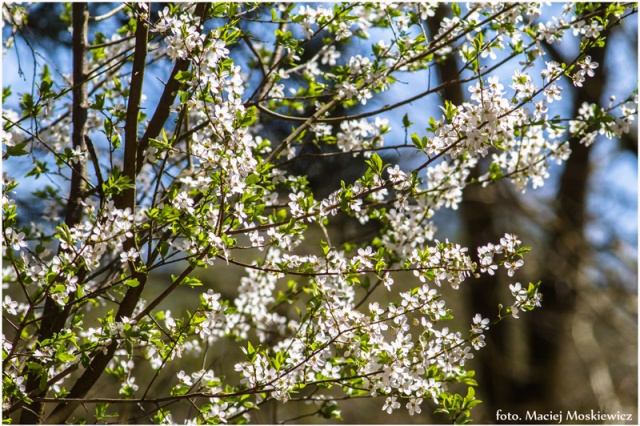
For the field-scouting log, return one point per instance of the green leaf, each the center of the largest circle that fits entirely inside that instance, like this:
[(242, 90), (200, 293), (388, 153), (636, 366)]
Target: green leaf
[(17, 150), (251, 351), (449, 110), (101, 412), (63, 356), (85, 360), (99, 103), (191, 282), (283, 37), (117, 183), (250, 117), (478, 42), (325, 247), (375, 162), (420, 143), (44, 378), (27, 102), (34, 366), (6, 92), (133, 282), (183, 76), (471, 393), (455, 9), (495, 172), (406, 123), (163, 248)]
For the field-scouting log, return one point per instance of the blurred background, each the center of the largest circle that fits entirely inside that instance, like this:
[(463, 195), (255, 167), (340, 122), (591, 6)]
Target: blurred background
[(580, 350)]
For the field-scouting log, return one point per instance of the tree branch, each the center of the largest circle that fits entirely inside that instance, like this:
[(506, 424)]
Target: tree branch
[(125, 201), (169, 93), (133, 163), (54, 318)]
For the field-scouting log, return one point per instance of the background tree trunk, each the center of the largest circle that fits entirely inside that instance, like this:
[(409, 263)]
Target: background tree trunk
[(55, 316)]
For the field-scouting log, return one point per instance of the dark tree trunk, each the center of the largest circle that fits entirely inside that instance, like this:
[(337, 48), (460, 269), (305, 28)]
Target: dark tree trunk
[(518, 370), (54, 318)]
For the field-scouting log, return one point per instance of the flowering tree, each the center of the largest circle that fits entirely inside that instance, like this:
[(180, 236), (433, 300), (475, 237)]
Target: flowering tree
[(190, 178)]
